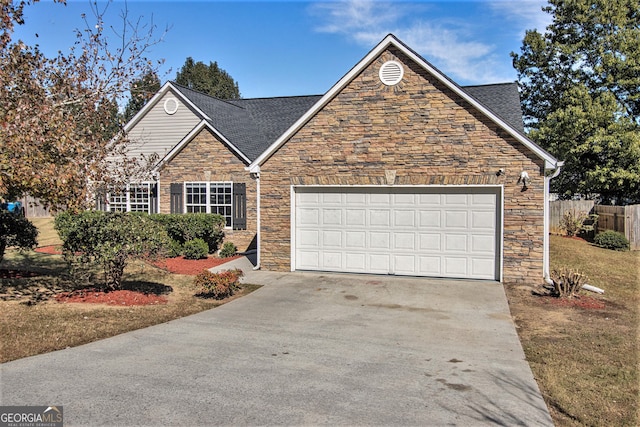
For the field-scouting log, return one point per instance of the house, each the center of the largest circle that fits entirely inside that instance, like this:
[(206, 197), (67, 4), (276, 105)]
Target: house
[(395, 170)]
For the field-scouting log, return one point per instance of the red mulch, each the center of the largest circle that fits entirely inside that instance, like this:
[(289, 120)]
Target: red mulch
[(178, 265), (192, 267), (51, 250), (585, 302), (121, 298)]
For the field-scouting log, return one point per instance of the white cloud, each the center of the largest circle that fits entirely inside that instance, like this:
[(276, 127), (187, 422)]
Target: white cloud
[(527, 13), (451, 44)]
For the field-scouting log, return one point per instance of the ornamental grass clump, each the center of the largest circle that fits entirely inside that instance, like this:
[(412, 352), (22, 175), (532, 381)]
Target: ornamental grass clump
[(218, 285)]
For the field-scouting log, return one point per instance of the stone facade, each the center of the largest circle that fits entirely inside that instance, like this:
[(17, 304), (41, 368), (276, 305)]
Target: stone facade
[(206, 158), (423, 134)]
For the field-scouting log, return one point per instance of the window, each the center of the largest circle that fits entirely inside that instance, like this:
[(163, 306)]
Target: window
[(138, 197), (210, 197)]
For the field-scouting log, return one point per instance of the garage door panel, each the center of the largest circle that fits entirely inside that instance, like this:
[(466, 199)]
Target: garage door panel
[(404, 218), (355, 239), (483, 219), (455, 266), (380, 240), (404, 241), (439, 232), (429, 242), (308, 216), (309, 239), (356, 262), (380, 218), (331, 216), (380, 263), (332, 260), (456, 243), (405, 265), (455, 219), (332, 239), (430, 219), (308, 260), (356, 217)]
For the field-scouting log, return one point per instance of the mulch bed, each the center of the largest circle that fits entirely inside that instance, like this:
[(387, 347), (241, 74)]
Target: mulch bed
[(178, 265)]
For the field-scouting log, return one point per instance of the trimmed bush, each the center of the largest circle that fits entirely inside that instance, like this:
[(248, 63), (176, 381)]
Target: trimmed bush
[(195, 249), (185, 227), (174, 249), (218, 285), (17, 231), (567, 283), (610, 239), (228, 250), (109, 240)]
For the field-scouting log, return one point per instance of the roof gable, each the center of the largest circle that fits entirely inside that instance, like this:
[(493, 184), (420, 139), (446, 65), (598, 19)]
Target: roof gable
[(470, 95)]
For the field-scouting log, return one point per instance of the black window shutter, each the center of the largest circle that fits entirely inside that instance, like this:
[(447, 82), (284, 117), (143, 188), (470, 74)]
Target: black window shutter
[(153, 198), (176, 198), (239, 206)]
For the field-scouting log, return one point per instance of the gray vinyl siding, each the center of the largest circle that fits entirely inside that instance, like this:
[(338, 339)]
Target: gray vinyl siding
[(158, 132)]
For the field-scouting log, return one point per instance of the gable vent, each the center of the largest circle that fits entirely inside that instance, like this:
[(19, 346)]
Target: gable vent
[(391, 73)]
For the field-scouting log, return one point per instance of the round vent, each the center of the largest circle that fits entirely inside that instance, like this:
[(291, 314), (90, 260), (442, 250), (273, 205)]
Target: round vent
[(170, 105), (391, 73)]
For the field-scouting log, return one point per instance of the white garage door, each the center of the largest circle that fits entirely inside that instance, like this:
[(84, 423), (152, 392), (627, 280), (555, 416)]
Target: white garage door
[(433, 232)]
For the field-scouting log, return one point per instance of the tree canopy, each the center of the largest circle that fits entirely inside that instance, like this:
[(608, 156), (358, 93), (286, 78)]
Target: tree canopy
[(57, 114), (580, 87), (210, 79), (142, 90)]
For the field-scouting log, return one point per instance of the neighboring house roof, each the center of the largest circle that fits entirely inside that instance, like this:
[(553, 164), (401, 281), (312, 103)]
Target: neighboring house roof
[(489, 106)]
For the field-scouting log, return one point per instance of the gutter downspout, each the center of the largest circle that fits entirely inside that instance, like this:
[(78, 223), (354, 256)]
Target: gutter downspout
[(257, 175), (547, 218)]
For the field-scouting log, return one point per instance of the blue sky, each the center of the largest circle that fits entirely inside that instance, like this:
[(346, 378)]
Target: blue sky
[(303, 48)]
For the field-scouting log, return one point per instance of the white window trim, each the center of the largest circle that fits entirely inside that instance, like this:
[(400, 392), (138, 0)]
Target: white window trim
[(127, 194), (208, 198)]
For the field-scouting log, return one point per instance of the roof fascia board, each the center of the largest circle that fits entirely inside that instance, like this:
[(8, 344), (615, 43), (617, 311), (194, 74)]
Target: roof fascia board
[(156, 98), (195, 131), (550, 161)]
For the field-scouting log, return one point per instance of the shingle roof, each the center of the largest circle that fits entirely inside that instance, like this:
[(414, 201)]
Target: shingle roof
[(252, 125), (502, 98)]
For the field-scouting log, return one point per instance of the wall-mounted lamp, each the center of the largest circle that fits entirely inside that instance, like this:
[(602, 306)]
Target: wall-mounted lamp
[(524, 179), (500, 172)]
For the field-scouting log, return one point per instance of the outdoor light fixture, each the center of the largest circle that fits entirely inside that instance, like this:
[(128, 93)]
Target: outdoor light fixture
[(524, 179)]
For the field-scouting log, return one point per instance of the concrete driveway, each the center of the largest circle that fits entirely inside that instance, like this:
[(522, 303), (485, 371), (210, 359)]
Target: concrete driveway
[(305, 349)]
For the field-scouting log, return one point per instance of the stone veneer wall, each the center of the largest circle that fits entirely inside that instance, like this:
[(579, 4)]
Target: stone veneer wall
[(206, 158), (423, 132)]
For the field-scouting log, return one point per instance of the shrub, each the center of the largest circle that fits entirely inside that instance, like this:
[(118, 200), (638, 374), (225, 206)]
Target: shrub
[(195, 249), (173, 249), (109, 240), (17, 231), (185, 227), (218, 285), (610, 239), (567, 283), (228, 250), (574, 222)]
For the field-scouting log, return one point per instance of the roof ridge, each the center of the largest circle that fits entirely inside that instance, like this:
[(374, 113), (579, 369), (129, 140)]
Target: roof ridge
[(226, 101)]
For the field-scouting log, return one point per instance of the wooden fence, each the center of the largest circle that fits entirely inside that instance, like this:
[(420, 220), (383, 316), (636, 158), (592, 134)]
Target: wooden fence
[(624, 219), (32, 209)]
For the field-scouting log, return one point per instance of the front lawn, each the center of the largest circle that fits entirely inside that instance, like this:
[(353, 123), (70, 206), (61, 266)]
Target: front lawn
[(585, 358)]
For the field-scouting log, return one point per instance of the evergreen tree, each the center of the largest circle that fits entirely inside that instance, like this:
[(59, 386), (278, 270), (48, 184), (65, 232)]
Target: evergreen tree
[(210, 79), (580, 83), (142, 90)]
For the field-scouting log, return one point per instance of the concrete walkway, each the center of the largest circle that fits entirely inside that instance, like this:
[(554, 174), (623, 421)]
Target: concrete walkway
[(305, 349)]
